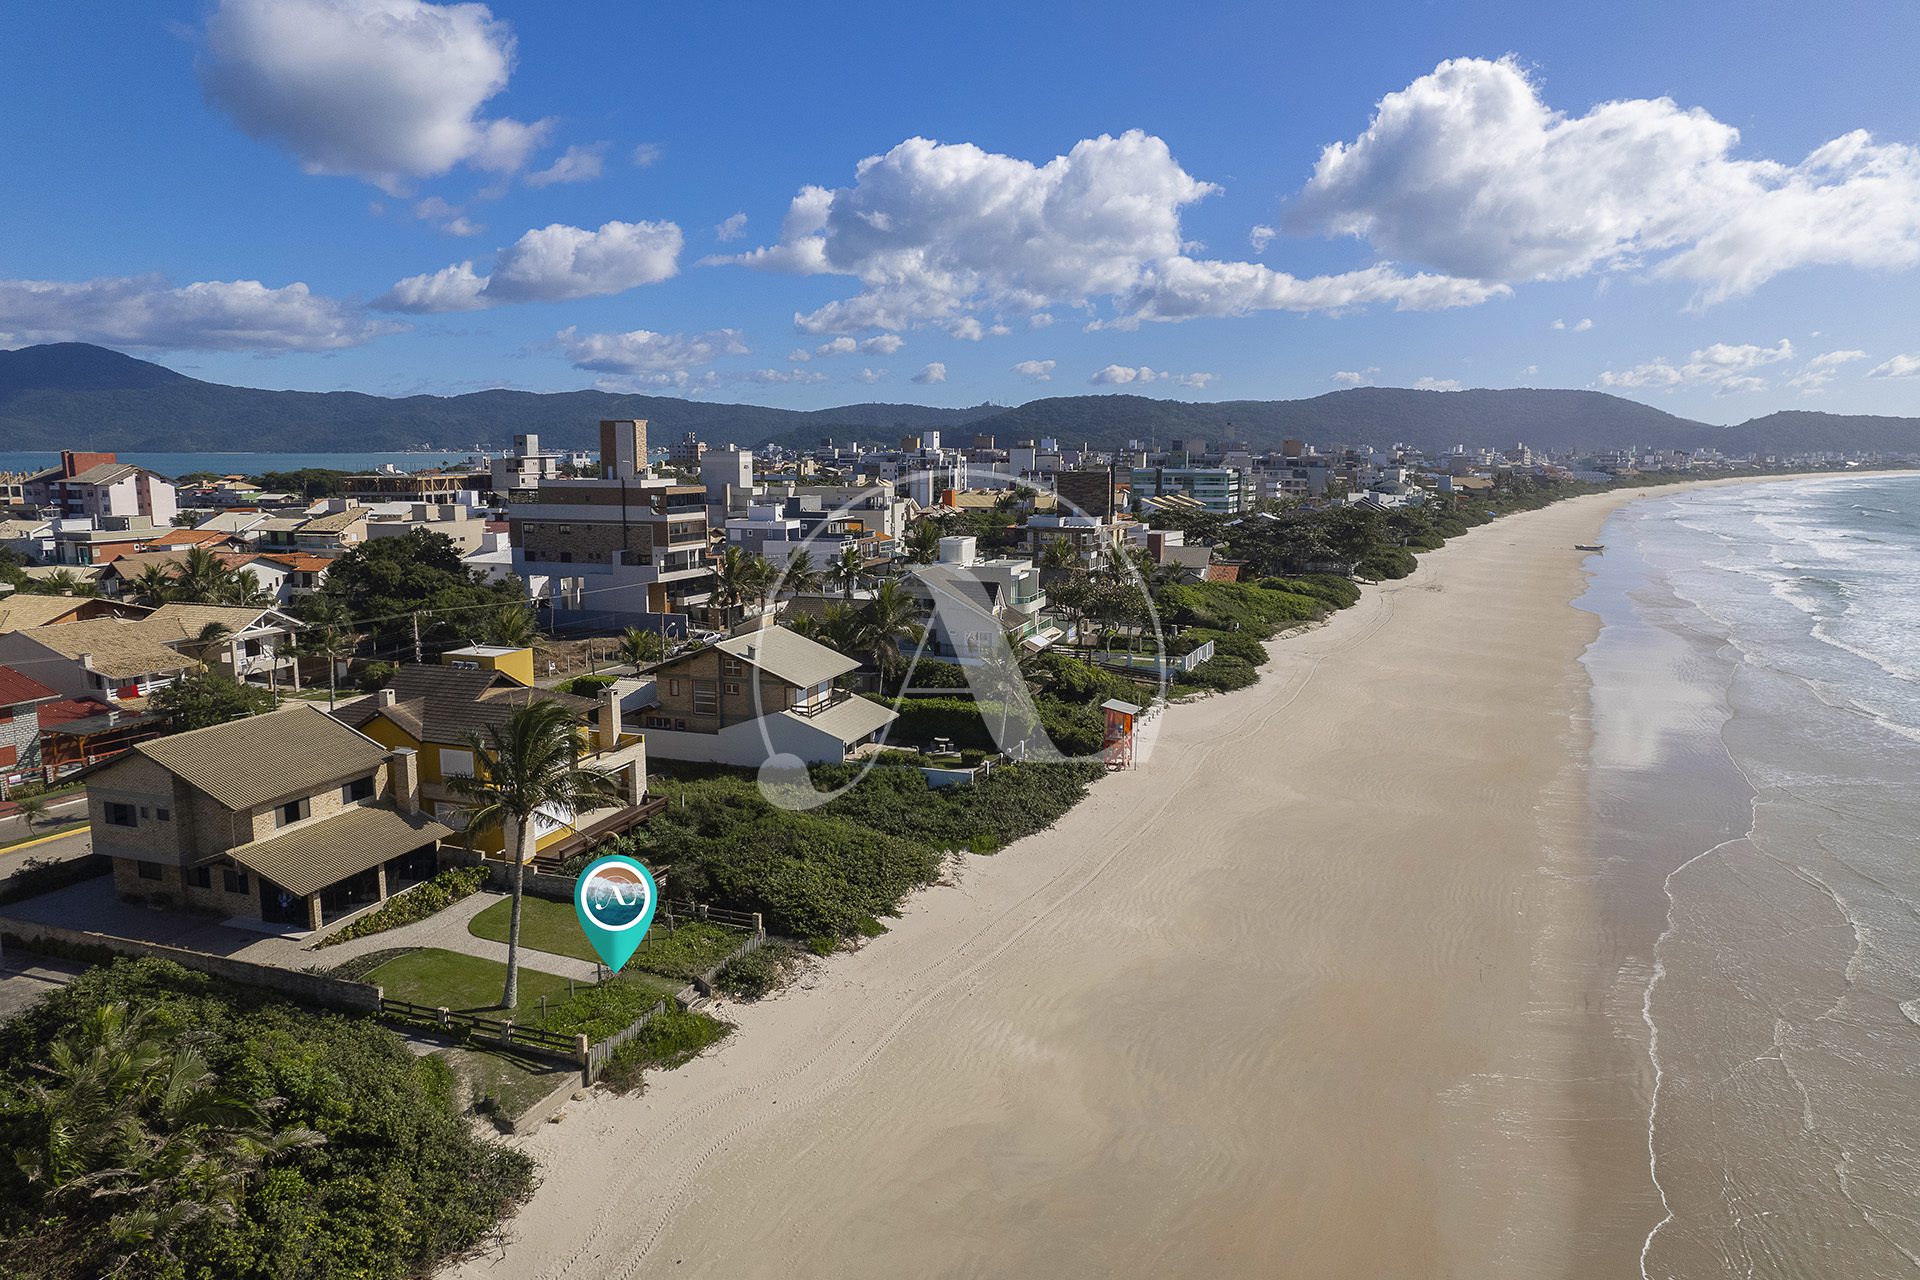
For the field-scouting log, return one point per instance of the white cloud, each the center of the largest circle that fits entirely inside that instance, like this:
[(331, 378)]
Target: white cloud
[(731, 228), (1822, 369), (575, 164), (448, 216), (1578, 326), (1036, 370), (937, 232), (646, 155), (778, 377), (213, 315), (1530, 370), (387, 90), (871, 376), (884, 344), (934, 372), (1436, 384), (1724, 367), (1120, 375), (1260, 237), (1467, 171), (643, 351), (462, 226), (1902, 366), (550, 264), (1039, 320), (799, 355), (967, 329), (1356, 377), (1828, 359)]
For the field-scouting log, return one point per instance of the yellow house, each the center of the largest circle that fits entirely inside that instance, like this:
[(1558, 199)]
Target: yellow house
[(439, 711)]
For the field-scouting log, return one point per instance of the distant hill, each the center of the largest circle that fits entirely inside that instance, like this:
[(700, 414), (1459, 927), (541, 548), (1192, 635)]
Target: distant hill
[(73, 395)]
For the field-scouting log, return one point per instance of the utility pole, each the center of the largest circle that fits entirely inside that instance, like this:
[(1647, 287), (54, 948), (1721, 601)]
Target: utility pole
[(416, 639)]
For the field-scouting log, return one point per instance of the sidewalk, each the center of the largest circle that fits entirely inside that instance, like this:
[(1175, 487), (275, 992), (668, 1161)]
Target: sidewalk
[(446, 930)]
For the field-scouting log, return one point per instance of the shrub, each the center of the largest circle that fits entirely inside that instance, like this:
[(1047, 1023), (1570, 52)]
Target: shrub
[(585, 686), (602, 1009), (446, 888), (757, 973), (689, 951), (43, 875), (669, 1040), (374, 675)]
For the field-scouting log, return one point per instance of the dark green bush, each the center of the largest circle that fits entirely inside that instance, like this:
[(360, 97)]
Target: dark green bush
[(668, 1040), (446, 888)]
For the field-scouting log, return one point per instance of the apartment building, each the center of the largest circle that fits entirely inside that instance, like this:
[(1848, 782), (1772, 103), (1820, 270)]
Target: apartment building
[(98, 485), (625, 549)]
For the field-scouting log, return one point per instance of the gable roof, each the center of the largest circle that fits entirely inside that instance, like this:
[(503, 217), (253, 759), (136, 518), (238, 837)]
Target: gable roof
[(191, 619), (19, 612), (119, 648), (450, 704), (334, 521), (262, 760), (190, 538), (787, 655), (311, 857), (105, 473), (17, 689)]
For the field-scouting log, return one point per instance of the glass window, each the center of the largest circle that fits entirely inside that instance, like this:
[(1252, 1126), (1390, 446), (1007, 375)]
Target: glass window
[(163, 814), (358, 789), (235, 881), (120, 815), (200, 877), (455, 763), (706, 697), (149, 870), (732, 688), (292, 811)]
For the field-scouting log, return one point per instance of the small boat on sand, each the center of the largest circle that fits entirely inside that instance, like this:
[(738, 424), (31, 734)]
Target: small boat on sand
[(1589, 546)]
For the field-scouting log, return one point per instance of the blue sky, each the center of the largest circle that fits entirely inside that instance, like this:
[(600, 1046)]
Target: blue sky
[(442, 198)]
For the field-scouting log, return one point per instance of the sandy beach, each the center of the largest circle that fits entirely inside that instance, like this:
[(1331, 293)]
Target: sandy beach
[(1320, 990)]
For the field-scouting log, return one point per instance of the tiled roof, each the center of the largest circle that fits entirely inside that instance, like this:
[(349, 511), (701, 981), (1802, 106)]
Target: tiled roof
[(18, 612), (849, 720), (120, 649), (191, 619), (788, 655), (16, 689), (189, 538), (309, 858), (105, 473), (448, 705), (262, 760), (335, 521)]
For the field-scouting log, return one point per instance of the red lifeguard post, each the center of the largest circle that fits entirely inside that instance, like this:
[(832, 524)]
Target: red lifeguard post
[(1119, 739)]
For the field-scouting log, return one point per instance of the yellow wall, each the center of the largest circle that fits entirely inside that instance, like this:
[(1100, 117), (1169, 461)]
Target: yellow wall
[(516, 665)]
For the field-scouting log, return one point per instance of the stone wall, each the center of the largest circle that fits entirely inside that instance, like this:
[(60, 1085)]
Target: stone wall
[(313, 988)]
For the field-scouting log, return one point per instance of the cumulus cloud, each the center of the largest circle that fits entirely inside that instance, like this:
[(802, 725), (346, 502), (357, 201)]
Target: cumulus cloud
[(799, 355), (783, 377), (386, 90), (871, 376), (1036, 370), (549, 264), (1039, 320), (883, 344), (1901, 366), (936, 233), (731, 228), (212, 315), (1121, 375), (1725, 368), (646, 155), (932, 372), (575, 164), (1469, 172), (1817, 372), (448, 216), (1356, 377), (1436, 384), (1578, 326), (643, 351), (1260, 237)]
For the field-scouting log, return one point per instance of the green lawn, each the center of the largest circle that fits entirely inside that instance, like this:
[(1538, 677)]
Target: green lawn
[(465, 984), (553, 927), (514, 1081)]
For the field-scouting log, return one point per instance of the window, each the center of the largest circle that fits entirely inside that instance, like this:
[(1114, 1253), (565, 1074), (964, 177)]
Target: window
[(732, 688), (233, 881), (455, 763), (120, 815), (566, 557), (706, 698), (149, 870), (292, 811), (730, 666), (200, 877), (358, 789), (163, 814), (673, 687)]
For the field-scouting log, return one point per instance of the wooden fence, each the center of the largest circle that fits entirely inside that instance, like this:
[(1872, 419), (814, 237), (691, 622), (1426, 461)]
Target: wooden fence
[(550, 1044)]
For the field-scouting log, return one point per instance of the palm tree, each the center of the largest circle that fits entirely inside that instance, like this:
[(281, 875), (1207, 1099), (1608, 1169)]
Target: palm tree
[(210, 639), (152, 586), (738, 577), (530, 764), (1059, 553), (800, 577), (511, 626), (61, 582), (30, 808), (923, 542), (847, 569), (243, 589), (201, 578), (327, 641), (641, 648), (892, 616)]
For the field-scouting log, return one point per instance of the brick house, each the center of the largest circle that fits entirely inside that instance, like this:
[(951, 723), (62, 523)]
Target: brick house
[(289, 817), (21, 698)]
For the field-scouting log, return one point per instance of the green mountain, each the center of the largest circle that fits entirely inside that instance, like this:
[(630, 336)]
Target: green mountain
[(73, 395)]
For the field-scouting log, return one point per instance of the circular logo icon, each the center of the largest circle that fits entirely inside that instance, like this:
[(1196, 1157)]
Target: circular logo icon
[(615, 897)]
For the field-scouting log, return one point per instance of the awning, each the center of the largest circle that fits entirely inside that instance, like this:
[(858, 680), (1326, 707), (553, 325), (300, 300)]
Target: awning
[(850, 720), (308, 859), (1042, 639)]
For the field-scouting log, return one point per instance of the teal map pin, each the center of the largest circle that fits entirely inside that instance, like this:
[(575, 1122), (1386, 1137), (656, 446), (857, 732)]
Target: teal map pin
[(614, 898)]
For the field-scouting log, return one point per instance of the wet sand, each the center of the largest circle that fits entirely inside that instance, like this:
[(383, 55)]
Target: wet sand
[(1325, 988)]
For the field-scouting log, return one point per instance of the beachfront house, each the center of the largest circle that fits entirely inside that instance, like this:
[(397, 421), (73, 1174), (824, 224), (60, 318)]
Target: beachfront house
[(290, 818)]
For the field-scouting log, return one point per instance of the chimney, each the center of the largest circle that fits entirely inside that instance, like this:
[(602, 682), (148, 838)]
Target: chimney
[(385, 697), (608, 734), (404, 771)]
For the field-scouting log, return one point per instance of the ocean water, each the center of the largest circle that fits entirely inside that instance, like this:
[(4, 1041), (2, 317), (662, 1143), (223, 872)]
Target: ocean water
[(1756, 721), (174, 464)]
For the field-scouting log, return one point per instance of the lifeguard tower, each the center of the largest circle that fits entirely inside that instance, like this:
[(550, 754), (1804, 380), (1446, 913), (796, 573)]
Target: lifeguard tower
[(1119, 739)]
